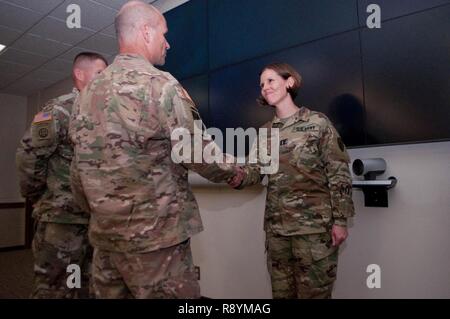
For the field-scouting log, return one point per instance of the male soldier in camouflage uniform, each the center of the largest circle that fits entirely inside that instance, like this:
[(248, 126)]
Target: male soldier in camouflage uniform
[(43, 160), (309, 198), (143, 212)]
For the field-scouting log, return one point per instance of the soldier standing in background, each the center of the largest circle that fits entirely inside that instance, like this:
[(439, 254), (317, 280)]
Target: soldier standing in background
[(309, 199), (143, 212), (43, 159)]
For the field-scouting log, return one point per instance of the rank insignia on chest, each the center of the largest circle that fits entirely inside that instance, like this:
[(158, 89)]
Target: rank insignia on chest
[(277, 125), (304, 128)]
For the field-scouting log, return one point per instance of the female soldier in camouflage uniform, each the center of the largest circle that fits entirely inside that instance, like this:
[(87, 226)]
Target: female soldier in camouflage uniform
[(308, 198)]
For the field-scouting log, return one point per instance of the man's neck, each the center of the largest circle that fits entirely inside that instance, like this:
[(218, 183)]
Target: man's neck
[(132, 50)]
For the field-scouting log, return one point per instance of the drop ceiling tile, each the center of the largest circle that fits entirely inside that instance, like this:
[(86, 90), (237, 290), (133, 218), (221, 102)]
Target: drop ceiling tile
[(8, 35), (111, 58), (41, 46), (48, 76), (167, 5), (70, 55), (59, 65), (57, 30), (25, 86), (110, 31), (16, 56), (37, 5), (94, 16), (17, 18), (7, 78), (115, 4), (14, 68), (100, 43)]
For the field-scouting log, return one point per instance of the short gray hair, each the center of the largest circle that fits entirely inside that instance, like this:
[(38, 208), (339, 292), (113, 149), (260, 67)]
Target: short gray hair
[(132, 15)]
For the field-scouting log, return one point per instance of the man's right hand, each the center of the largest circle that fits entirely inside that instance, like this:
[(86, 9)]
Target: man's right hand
[(237, 179)]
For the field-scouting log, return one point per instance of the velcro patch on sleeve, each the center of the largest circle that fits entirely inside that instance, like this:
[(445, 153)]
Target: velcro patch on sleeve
[(182, 93), (43, 130), (42, 117)]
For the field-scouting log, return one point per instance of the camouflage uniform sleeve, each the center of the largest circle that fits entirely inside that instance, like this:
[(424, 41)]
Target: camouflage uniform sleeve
[(252, 170), (336, 161), (34, 151), (76, 186), (180, 113)]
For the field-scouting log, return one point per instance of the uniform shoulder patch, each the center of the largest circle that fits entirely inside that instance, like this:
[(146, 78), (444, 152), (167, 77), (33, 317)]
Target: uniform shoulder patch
[(43, 129), (42, 117), (184, 94)]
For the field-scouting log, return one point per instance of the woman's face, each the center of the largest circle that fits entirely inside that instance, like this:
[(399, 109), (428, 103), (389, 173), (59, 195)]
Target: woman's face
[(274, 87)]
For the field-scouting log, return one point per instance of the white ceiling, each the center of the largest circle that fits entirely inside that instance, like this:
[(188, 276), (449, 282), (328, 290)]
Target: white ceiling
[(40, 47)]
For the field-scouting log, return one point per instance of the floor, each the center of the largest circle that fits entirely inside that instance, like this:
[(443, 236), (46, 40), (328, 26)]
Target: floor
[(16, 274)]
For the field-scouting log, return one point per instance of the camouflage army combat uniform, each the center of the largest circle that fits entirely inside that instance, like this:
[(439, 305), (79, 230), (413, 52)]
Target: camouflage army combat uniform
[(43, 159), (310, 192), (142, 209)]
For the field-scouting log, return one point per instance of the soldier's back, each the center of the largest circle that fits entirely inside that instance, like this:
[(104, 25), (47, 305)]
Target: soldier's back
[(44, 157), (139, 198)]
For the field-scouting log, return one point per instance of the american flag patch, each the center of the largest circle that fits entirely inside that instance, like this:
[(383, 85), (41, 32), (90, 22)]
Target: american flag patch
[(42, 117)]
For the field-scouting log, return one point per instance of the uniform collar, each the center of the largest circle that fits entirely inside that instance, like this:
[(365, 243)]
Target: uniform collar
[(75, 92), (130, 56), (125, 57), (301, 115)]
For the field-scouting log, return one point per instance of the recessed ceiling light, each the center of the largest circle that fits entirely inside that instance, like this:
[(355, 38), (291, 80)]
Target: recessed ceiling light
[(2, 47)]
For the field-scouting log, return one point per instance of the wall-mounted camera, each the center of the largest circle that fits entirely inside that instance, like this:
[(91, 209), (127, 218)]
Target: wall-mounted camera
[(370, 168), (375, 191)]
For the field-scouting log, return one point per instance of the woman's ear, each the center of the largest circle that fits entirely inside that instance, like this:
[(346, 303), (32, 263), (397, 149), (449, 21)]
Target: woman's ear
[(290, 82)]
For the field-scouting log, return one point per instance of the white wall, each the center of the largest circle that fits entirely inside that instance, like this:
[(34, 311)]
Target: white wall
[(17, 113), (230, 251), (13, 110), (409, 240)]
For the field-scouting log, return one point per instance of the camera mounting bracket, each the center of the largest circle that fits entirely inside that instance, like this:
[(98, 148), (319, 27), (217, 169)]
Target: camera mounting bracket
[(375, 191)]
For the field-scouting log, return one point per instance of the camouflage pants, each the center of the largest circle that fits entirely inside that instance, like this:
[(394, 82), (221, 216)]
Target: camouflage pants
[(55, 246), (165, 273), (301, 266)]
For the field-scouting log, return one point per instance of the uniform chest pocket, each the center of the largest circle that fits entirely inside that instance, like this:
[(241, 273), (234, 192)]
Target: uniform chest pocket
[(306, 150)]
